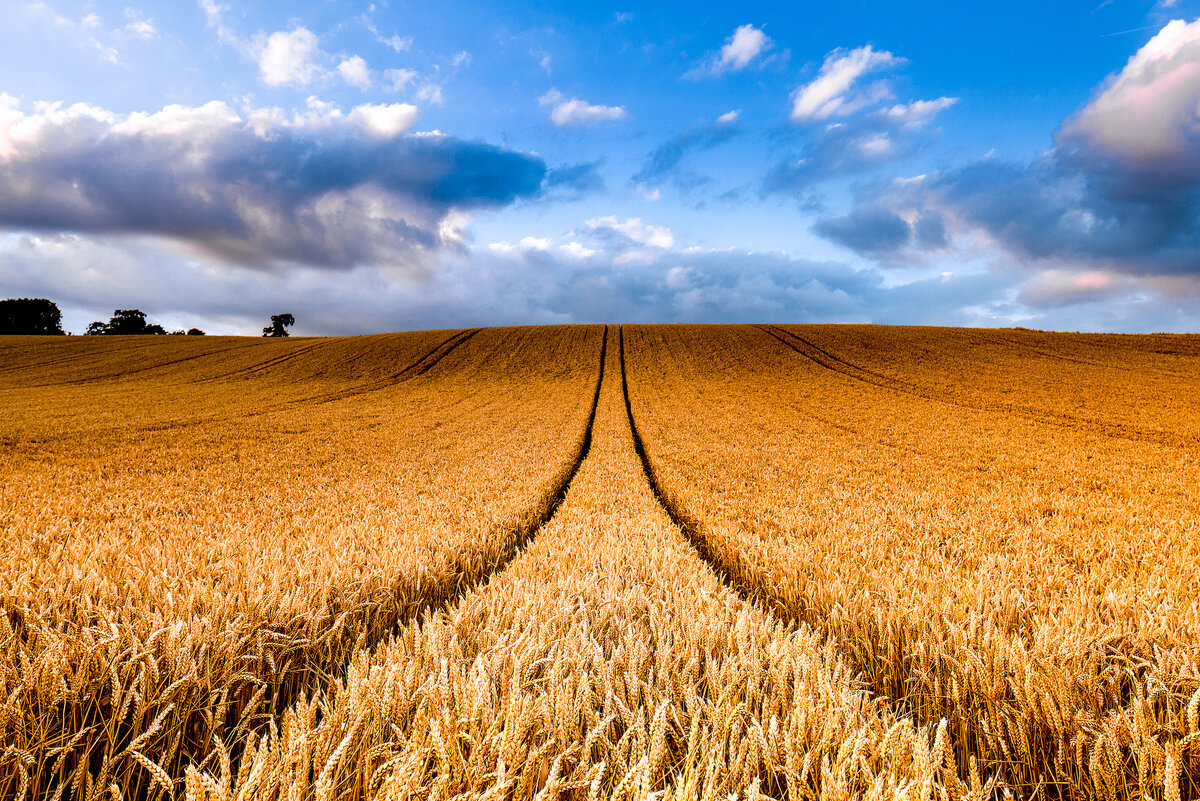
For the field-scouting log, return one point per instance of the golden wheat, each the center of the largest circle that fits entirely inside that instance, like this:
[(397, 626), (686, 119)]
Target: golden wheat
[(990, 540), (941, 564), (607, 661), (171, 585)]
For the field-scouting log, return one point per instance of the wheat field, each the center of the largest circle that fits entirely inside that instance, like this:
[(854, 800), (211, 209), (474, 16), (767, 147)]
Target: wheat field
[(601, 562)]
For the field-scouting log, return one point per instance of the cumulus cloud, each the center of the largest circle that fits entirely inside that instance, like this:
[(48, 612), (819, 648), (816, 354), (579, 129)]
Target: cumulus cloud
[(1117, 195), (254, 190), (833, 92), (295, 58), (287, 58), (1160, 89), (742, 48), (355, 72), (385, 121), (573, 111), (744, 45)]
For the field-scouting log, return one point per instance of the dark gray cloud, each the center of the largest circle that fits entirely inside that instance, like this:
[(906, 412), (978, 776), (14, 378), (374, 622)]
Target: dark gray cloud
[(876, 231), (929, 231), (866, 229), (1073, 207), (333, 190)]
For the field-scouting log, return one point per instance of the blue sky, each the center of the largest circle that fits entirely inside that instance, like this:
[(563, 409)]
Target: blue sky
[(389, 166)]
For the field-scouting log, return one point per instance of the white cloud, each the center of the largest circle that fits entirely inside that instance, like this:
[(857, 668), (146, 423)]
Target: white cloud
[(917, 112), (215, 17), (431, 93), (728, 117), (195, 122), (86, 28), (396, 42), (574, 250), (528, 244), (1150, 111), (355, 72), (741, 48), (139, 26), (452, 230), (503, 248), (399, 78), (876, 145), (287, 58), (830, 94), (384, 121), (535, 243), (575, 111), (656, 236)]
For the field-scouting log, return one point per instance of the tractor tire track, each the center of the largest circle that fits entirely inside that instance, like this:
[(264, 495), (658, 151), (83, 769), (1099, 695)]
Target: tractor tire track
[(836, 364), (547, 509), (263, 366), (351, 626), (440, 594), (685, 523), (414, 369), (131, 348), (892, 688)]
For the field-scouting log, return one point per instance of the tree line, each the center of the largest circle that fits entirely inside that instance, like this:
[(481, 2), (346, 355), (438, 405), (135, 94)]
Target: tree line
[(40, 316)]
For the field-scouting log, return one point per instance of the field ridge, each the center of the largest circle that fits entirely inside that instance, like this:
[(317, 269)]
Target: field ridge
[(836, 364), (414, 369)]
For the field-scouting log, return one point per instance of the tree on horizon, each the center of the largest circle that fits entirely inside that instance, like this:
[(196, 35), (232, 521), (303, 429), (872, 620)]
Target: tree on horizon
[(30, 316), (125, 321), (279, 325)]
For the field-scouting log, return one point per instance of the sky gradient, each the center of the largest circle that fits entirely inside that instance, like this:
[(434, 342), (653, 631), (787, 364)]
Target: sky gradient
[(390, 166)]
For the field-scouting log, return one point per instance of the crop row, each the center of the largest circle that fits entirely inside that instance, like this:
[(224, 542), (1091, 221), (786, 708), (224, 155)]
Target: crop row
[(1030, 582), (170, 589), (607, 662)]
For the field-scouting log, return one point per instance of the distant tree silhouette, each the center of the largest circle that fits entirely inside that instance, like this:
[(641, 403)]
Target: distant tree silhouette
[(30, 316), (279, 325), (195, 332), (126, 321)]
